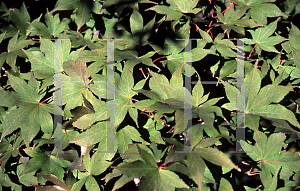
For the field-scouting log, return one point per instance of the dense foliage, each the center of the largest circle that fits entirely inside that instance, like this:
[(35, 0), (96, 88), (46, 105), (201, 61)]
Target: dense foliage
[(150, 147)]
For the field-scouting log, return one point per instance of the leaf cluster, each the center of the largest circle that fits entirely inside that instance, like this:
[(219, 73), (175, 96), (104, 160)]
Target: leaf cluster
[(151, 94)]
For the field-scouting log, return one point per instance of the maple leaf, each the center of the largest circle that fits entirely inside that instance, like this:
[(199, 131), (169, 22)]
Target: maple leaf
[(76, 83), (175, 53), (124, 93), (48, 163), (20, 18), (53, 29), (165, 10), (30, 115), (14, 50), (155, 178), (184, 6), (260, 10), (94, 166), (125, 136), (83, 9), (232, 20), (258, 101), (43, 62), (268, 152), (263, 39), (133, 59)]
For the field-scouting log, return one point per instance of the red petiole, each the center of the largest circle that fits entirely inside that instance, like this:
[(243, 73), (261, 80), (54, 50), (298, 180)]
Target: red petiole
[(46, 99), (252, 51)]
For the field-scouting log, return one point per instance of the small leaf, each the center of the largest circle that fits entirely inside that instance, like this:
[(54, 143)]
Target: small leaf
[(136, 22), (216, 157)]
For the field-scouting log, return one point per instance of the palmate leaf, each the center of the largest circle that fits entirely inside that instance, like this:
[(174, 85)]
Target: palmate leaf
[(48, 163), (175, 53), (184, 6), (133, 59), (14, 50), (94, 166), (53, 29), (31, 115), (263, 39), (165, 10), (260, 10), (20, 18), (224, 46), (169, 97), (155, 178), (268, 152), (260, 101), (43, 61), (83, 9), (125, 136), (76, 83), (124, 93), (232, 20)]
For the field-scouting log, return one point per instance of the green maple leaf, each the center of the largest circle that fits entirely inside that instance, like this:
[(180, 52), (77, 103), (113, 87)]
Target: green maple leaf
[(260, 10), (97, 133), (47, 162), (260, 101), (124, 93), (95, 111), (224, 46), (76, 83), (184, 6), (43, 61), (155, 178), (165, 10), (268, 152), (232, 20), (30, 115), (175, 53), (8, 149), (14, 50), (125, 136), (20, 18), (83, 10), (53, 29), (169, 97), (263, 39), (139, 33), (133, 59)]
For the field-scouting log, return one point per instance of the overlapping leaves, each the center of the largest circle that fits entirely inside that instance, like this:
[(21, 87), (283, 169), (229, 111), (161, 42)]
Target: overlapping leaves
[(260, 101), (30, 115), (268, 151)]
